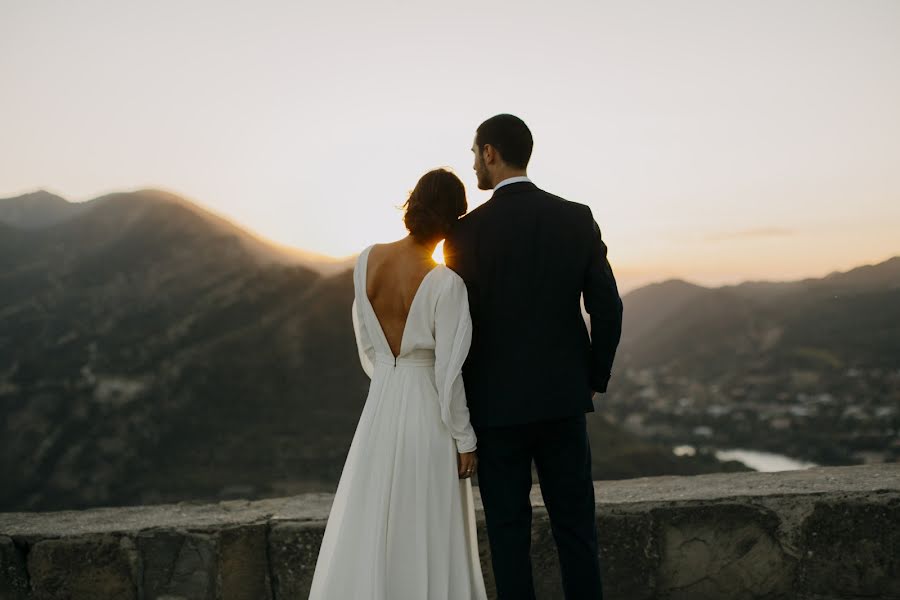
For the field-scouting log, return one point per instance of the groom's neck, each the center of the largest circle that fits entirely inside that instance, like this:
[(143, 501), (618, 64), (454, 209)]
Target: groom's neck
[(506, 173)]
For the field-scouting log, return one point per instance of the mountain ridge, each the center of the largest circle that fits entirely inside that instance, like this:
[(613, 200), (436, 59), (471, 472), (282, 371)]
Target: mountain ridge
[(759, 316), (37, 209), (860, 273), (13, 212), (42, 210)]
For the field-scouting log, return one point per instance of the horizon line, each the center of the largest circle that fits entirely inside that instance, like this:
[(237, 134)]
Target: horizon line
[(326, 258)]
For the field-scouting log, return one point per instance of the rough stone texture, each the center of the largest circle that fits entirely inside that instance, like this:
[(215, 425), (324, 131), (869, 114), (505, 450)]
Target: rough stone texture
[(244, 563), (13, 572), (852, 549), (84, 568), (293, 548), (821, 534), (178, 564), (185, 515), (709, 550), (628, 555)]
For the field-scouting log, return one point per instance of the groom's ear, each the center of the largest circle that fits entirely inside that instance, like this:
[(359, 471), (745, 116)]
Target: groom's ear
[(489, 154)]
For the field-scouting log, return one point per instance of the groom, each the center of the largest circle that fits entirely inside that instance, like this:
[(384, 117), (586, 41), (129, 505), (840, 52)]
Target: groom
[(526, 257)]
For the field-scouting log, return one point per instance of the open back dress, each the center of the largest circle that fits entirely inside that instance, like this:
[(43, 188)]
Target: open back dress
[(402, 525)]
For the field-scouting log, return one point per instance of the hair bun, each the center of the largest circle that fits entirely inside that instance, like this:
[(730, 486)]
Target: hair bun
[(434, 205)]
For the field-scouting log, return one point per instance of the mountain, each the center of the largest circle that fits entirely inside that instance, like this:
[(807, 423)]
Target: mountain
[(152, 352), (851, 318), (806, 369), (150, 207), (884, 275), (867, 277), (651, 306), (149, 350), (36, 210)]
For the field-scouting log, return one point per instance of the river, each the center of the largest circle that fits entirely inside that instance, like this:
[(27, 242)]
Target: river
[(763, 461), (755, 459)]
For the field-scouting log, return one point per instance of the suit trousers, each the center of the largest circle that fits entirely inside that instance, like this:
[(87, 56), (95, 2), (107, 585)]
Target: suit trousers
[(562, 457)]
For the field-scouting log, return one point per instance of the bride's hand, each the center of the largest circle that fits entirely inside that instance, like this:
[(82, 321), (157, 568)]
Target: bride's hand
[(467, 462)]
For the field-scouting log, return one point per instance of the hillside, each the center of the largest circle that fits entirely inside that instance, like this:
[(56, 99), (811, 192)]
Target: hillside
[(150, 353), (41, 211), (807, 369), (852, 317)]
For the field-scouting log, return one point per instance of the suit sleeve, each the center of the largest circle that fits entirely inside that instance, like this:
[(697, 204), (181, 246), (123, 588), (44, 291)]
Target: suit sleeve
[(452, 338), (603, 304)]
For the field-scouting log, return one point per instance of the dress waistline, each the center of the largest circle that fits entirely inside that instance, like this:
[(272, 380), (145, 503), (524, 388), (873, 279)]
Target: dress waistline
[(386, 359)]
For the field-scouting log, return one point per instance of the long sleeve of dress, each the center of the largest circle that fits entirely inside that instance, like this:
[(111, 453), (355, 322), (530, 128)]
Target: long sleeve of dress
[(453, 336), (363, 342)]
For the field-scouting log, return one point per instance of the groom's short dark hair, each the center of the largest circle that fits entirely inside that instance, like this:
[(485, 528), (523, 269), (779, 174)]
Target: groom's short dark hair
[(510, 136)]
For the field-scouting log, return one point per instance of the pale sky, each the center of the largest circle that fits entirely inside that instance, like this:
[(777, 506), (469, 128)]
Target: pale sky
[(716, 141)]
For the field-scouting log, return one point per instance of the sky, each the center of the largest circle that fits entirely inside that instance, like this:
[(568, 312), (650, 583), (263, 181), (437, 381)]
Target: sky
[(714, 140)]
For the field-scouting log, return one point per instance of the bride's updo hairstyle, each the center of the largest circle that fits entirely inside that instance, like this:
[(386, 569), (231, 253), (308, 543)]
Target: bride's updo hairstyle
[(434, 206)]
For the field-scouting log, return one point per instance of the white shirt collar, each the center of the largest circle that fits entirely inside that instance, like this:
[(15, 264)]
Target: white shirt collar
[(509, 180)]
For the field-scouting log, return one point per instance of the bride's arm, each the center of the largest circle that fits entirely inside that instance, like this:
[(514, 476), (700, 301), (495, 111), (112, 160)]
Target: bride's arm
[(453, 336)]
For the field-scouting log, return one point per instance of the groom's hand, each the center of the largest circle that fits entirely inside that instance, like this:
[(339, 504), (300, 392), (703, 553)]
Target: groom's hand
[(467, 462)]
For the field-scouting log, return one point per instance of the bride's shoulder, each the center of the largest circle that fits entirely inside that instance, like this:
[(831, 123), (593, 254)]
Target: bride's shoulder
[(361, 264), (361, 257), (450, 279)]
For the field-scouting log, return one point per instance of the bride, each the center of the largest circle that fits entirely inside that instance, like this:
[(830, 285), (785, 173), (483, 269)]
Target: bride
[(402, 525)]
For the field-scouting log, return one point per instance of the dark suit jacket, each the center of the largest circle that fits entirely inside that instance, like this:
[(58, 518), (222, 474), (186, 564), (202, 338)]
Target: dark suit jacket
[(526, 257)]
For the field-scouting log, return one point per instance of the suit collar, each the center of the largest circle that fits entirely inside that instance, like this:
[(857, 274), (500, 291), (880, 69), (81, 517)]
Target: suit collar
[(511, 189)]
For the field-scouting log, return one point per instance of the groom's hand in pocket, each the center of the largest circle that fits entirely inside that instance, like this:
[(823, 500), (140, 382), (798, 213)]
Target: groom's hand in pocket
[(467, 462)]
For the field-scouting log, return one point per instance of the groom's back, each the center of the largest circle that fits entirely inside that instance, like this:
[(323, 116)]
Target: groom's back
[(524, 256)]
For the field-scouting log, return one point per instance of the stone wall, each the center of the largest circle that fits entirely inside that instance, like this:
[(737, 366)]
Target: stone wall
[(818, 534)]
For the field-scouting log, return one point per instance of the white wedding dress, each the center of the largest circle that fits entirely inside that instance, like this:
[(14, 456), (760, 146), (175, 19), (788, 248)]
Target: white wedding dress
[(402, 525)]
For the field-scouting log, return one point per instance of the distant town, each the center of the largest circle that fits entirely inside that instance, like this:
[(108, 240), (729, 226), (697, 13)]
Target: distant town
[(822, 417)]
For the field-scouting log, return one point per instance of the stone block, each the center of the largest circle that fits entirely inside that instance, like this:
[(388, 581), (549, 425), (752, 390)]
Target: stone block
[(13, 572), (851, 549), (629, 556), (823, 534), (243, 563), (293, 549), (718, 551), (92, 567), (178, 564)]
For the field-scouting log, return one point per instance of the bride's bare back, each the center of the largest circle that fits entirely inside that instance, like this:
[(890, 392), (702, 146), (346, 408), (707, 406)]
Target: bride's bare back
[(393, 276)]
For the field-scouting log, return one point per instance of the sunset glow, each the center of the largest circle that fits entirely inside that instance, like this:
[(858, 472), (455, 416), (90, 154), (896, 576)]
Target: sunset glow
[(438, 255), (703, 153)]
